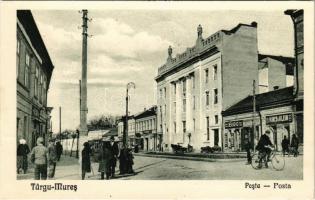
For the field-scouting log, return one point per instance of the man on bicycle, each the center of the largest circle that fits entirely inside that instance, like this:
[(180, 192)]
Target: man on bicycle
[(264, 147)]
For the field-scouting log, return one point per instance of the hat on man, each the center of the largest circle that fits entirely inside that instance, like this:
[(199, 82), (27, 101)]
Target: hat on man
[(267, 131), (40, 140), (112, 137)]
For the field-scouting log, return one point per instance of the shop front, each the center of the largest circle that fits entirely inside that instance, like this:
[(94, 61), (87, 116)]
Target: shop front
[(237, 131), (280, 125)]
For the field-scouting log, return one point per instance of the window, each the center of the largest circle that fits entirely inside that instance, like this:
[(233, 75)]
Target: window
[(216, 119), (36, 81), (44, 91), (165, 92), (164, 110), (206, 75), (194, 102), (174, 107), (208, 129), (175, 127), (184, 105), (161, 128), (161, 93), (174, 88), (207, 98), (184, 126), (215, 96), (17, 58), (25, 126), (193, 81), (194, 120), (27, 69), (216, 136), (215, 72), (184, 87), (40, 87)]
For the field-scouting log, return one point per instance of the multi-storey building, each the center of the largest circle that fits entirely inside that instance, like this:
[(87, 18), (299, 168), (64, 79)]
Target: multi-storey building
[(196, 86), (33, 73), (274, 72), (298, 24), (146, 131)]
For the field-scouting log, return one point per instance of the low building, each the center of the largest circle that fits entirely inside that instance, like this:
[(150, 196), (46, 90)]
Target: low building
[(131, 140), (274, 112), (146, 130), (33, 73)]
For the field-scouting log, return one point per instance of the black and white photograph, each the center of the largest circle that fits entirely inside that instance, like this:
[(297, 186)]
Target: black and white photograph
[(159, 94)]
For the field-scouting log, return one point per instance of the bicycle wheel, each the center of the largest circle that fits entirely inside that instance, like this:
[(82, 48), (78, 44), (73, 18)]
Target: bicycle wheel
[(255, 161), (277, 162)]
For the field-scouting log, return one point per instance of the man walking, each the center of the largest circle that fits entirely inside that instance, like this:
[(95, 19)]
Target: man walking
[(59, 150), (114, 152), (52, 158), (39, 156)]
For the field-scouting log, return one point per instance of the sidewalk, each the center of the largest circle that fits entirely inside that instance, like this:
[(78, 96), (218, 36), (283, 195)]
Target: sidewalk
[(67, 168), (207, 157)]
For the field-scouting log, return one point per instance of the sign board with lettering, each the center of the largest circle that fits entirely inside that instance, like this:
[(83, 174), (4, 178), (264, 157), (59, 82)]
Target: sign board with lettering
[(275, 119), (233, 124)]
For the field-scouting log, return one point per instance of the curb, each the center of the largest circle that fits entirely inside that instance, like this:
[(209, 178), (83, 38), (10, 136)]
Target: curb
[(191, 158)]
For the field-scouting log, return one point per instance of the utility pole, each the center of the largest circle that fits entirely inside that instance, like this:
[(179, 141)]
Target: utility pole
[(60, 122), (83, 86), (254, 112), (125, 135)]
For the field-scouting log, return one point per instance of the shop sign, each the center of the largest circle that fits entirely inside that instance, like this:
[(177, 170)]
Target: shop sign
[(233, 124), (279, 119)]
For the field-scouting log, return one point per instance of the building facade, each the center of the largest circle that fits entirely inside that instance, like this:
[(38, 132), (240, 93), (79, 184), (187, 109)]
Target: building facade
[(196, 86), (33, 73), (297, 17), (131, 140), (274, 72), (146, 130), (274, 112)]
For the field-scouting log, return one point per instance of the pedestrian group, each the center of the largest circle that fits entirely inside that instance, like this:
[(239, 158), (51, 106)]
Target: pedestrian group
[(43, 158)]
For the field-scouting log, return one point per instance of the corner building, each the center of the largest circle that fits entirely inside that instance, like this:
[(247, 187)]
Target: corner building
[(33, 73), (196, 86)]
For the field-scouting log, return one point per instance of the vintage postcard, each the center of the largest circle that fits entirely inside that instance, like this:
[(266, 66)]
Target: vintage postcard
[(157, 100)]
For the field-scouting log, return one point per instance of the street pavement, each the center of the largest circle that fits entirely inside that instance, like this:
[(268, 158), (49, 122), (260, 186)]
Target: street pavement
[(67, 169), (150, 168)]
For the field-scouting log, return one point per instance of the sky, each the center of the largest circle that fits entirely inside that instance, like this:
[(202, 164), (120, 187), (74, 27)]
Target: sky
[(130, 45)]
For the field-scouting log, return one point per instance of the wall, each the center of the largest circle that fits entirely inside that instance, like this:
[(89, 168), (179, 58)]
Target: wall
[(239, 65)]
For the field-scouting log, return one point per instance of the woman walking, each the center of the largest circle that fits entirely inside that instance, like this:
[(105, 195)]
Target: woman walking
[(22, 152), (86, 162)]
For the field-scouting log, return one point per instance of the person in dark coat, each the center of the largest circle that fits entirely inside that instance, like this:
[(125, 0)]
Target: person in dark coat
[(52, 152), (248, 147), (104, 160), (22, 151), (130, 161), (123, 160), (264, 147), (59, 150), (114, 151), (285, 145), (295, 145), (86, 162)]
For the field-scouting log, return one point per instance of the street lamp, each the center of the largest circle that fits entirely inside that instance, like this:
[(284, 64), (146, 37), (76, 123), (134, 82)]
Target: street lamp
[(125, 135)]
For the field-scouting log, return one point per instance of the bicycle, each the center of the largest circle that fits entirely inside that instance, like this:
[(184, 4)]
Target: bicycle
[(276, 159)]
